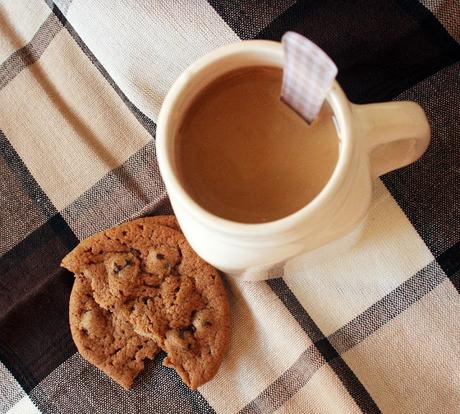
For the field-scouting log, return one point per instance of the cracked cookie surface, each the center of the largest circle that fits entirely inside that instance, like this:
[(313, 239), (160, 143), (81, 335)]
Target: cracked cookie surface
[(105, 339), (149, 275)]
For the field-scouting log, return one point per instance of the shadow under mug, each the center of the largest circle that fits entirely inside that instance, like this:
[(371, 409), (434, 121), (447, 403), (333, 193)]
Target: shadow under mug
[(373, 139)]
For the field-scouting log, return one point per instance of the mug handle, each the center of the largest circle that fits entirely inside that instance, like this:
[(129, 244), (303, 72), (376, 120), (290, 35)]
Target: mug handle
[(395, 134)]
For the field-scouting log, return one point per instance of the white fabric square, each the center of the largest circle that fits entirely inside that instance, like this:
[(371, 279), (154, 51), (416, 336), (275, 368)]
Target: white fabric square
[(261, 324), (30, 13), (389, 252), (141, 45), (416, 355), (67, 123)]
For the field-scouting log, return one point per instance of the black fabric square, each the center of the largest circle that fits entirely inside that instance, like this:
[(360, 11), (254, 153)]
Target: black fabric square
[(381, 47), (34, 298), (429, 190)]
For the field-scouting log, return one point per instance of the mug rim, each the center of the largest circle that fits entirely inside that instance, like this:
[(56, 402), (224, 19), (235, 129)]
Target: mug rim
[(342, 114)]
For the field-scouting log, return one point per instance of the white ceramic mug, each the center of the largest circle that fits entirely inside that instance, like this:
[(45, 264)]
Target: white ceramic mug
[(374, 139)]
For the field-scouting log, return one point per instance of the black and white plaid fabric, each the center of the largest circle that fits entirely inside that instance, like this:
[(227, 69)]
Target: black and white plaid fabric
[(81, 84)]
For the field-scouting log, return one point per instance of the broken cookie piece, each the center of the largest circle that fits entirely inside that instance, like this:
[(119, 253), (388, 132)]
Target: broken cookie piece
[(106, 340), (149, 275)]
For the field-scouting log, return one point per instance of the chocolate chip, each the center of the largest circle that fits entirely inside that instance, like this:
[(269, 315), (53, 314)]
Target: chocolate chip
[(151, 285), (117, 267), (160, 256), (146, 300), (207, 323), (185, 329), (135, 252)]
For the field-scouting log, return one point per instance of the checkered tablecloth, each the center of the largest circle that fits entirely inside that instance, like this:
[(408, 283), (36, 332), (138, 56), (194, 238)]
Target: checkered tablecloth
[(81, 85)]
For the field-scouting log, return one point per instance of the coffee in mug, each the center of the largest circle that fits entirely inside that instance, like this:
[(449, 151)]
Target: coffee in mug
[(244, 155)]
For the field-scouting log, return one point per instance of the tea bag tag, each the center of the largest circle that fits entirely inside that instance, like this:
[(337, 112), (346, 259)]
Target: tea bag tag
[(307, 75)]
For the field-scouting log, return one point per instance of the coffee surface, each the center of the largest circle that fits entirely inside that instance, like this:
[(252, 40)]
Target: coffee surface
[(244, 155)]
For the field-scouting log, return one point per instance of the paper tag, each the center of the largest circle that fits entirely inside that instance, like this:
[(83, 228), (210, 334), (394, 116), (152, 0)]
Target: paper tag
[(307, 75)]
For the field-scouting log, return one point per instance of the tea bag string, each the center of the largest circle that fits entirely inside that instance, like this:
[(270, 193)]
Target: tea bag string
[(308, 74)]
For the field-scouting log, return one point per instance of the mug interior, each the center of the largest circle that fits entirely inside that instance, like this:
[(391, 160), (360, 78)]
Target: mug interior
[(225, 60)]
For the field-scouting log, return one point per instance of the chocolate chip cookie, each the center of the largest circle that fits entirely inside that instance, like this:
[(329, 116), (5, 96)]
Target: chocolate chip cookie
[(106, 339), (148, 274)]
